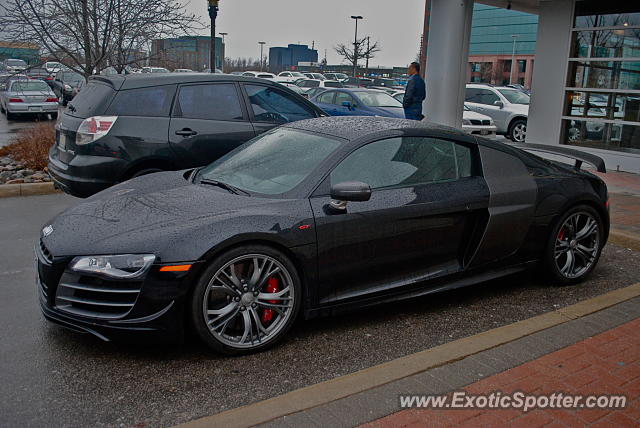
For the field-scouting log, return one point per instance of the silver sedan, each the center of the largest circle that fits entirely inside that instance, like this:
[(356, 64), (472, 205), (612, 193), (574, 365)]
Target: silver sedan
[(27, 97)]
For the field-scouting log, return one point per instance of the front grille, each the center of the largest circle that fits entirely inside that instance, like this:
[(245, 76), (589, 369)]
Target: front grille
[(45, 253), (476, 122), (96, 297), (486, 122)]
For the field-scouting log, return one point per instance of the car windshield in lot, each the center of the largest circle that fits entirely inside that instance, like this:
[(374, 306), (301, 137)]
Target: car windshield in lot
[(31, 85), (71, 77), (333, 84), (273, 163), (377, 99), (515, 96)]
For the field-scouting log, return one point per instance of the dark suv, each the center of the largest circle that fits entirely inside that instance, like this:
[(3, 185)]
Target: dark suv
[(123, 126)]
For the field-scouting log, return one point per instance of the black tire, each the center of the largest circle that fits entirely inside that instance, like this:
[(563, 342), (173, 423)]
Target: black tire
[(2, 109), (10, 116), (550, 265), (196, 307), (516, 129), (146, 171)]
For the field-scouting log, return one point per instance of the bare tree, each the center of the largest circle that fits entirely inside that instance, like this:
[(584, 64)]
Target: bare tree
[(364, 50), (90, 35)]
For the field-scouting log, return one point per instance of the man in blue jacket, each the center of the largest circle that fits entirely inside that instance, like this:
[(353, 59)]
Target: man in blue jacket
[(415, 94)]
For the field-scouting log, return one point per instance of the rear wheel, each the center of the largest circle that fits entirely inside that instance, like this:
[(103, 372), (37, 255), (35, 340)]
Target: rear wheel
[(575, 245), (246, 300), (518, 131)]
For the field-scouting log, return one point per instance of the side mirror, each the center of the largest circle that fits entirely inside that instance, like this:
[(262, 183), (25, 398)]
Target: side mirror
[(498, 103), (354, 191), (348, 105)]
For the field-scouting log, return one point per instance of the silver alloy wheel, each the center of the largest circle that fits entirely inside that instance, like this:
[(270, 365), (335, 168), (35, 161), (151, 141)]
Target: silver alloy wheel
[(519, 132), (236, 301), (577, 244)]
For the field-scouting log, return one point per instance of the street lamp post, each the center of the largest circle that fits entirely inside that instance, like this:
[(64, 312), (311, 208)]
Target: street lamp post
[(513, 57), (355, 45), (261, 55), (224, 48), (213, 14)]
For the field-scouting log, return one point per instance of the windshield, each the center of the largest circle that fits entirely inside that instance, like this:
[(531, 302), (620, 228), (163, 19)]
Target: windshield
[(72, 77), (14, 62), (514, 96), (32, 85), (378, 99), (272, 163)]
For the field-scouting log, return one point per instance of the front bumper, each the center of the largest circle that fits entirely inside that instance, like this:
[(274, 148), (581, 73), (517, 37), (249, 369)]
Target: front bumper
[(157, 316), (84, 175), (484, 130), (32, 108)]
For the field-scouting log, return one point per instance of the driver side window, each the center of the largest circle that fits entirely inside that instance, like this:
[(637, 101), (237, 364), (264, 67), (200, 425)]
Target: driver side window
[(342, 97), (271, 105), (405, 162)]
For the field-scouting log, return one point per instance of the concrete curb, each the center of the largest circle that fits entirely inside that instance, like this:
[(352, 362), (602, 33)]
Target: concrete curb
[(344, 386), (26, 189), (624, 238)]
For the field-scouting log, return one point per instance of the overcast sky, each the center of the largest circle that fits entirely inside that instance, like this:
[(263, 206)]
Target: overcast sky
[(397, 24)]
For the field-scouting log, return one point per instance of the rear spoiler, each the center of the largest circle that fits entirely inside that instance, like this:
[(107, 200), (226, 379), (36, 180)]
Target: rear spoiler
[(578, 155)]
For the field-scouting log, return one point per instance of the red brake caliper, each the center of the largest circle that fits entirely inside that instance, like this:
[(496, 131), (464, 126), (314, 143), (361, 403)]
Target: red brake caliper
[(561, 235), (273, 286)]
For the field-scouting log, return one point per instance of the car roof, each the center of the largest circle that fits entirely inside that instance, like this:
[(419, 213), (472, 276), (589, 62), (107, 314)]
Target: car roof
[(132, 81), (353, 128)]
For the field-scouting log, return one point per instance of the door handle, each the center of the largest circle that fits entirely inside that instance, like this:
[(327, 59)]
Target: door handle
[(186, 132)]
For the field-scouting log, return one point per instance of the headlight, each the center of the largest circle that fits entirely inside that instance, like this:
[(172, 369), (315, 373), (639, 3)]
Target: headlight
[(466, 122), (126, 266)]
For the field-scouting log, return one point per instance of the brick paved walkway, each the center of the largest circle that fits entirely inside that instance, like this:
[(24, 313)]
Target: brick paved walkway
[(608, 363)]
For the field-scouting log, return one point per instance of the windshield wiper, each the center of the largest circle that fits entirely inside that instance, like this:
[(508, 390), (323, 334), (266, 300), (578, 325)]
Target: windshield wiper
[(225, 186)]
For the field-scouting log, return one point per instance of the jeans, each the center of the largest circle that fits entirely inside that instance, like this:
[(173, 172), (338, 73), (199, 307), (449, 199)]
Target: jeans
[(413, 112)]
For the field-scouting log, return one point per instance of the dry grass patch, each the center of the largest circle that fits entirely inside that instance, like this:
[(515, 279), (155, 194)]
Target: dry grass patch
[(31, 146)]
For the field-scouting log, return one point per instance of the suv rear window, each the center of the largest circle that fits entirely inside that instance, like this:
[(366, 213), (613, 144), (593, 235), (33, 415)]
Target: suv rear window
[(92, 100), (154, 101)]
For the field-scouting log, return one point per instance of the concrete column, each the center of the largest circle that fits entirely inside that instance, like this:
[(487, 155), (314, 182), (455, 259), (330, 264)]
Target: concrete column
[(550, 71), (447, 59)]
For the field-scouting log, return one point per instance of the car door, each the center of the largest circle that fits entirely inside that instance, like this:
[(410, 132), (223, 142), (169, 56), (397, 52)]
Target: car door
[(269, 107), (326, 103), (483, 101), (207, 121), (341, 110), (426, 198)]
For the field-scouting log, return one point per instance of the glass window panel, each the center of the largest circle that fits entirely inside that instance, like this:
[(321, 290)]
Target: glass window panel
[(617, 43), (605, 75), (609, 136), (607, 20), (627, 107)]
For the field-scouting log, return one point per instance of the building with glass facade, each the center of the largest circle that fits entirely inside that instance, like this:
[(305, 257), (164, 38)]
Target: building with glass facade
[(586, 80), (281, 58)]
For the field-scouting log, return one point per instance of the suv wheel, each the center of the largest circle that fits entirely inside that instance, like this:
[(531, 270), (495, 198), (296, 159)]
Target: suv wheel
[(518, 131)]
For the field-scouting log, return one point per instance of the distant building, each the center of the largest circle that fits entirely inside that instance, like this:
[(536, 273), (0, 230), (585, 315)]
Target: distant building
[(285, 58), (28, 52), (185, 52), (492, 45)]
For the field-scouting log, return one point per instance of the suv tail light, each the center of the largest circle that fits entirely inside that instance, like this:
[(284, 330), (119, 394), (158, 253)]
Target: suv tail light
[(93, 128)]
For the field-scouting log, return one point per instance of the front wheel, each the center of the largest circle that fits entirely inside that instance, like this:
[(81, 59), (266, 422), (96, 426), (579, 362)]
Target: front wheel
[(246, 300), (575, 245), (518, 131)]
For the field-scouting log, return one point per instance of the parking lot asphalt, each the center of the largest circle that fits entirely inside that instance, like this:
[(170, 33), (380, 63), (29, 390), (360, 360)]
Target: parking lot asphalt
[(9, 128), (54, 377)]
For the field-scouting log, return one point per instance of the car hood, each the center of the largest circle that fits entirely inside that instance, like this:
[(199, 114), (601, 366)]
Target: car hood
[(158, 213), (389, 111)]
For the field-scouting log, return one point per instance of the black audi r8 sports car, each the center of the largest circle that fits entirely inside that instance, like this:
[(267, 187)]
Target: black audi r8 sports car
[(315, 217)]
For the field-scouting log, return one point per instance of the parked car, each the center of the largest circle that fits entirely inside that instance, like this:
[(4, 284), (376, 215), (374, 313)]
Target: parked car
[(307, 84), (310, 93), (40, 73), (358, 102), (508, 107), (53, 67), (295, 88), (125, 126), (476, 123), (315, 218), (289, 76), (340, 77), (154, 70), (315, 76), (358, 82), (519, 87), (28, 97), (259, 74), (389, 85), (183, 70), (13, 65), (66, 85), (208, 70)]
